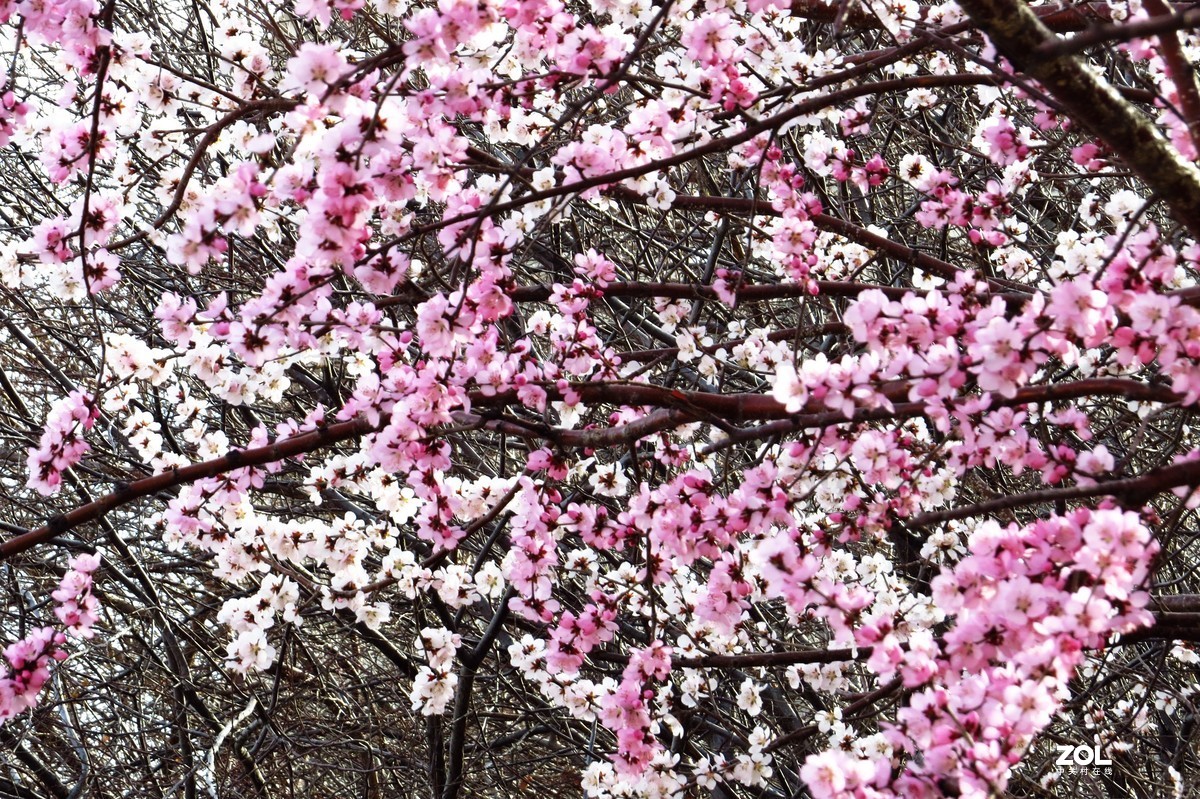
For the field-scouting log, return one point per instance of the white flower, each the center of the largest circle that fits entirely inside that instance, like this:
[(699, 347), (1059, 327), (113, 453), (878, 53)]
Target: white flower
[(438, 645), (543, 179), (609, 480), (432, 690), (581, 698), (693, 689), (826, 719), (752, 769), (1123, 206), (685, 340), (873, 747), (759, 739), (788, 390), (662, 198), (456, 587), (597, 778), (1176, 782), (1184, 654), (921, 99), (917, 171), (749, 697), (374, 615), (568, 414), (527, 653), (706, 776), (489, 580), (670, 314), (250, 651)]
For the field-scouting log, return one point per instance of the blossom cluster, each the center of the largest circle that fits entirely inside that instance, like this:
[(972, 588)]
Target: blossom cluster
[(30, 658), (62, 444), (1026, 603), (77, 607), (433, 688)]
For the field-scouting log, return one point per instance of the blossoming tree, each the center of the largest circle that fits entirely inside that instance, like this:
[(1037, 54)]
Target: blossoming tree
[(480, 398)]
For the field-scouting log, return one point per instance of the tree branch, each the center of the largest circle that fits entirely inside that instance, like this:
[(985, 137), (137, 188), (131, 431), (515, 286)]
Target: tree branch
[(1133, 492), (1019, 36), (1119, 32), (237, 459)]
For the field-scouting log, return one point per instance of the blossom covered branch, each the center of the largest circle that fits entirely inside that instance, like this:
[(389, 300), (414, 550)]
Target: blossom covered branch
[(535, 397)]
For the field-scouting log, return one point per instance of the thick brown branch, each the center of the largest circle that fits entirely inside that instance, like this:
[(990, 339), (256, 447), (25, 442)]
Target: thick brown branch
[(731, 408), (599, 438), (697, 291), (1178, 67), (237, 459), (1120, 32), (1079, 17), (1167, 627), (749, 661), (819, 416), (679, 407), (1019, 36), (1178, 603), (1132, 492), (717, 145)]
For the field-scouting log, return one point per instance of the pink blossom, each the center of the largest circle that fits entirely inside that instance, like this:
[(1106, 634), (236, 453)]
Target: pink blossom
[(316, 67)]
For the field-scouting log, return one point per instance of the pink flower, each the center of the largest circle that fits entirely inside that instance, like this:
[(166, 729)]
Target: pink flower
[(1001, 142), (709, 39), (62, 444), (833, 774), (316, 67)]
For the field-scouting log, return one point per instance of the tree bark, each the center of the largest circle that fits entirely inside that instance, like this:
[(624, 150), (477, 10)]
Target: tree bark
[(1130, 134)]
